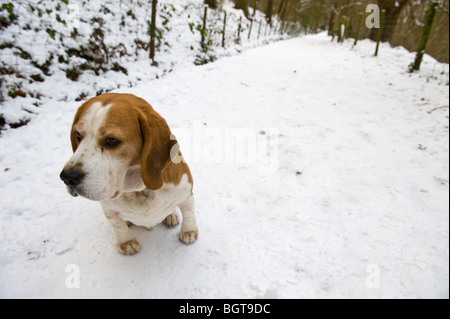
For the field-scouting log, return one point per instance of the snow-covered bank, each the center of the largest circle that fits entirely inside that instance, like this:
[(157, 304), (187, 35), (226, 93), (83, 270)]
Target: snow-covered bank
[(57, 51), (358, 206)]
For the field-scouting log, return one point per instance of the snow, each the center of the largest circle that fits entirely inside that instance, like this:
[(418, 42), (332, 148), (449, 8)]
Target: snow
[(355, 207)]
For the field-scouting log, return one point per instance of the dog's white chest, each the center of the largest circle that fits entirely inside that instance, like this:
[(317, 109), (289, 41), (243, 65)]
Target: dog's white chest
[(149, 208)]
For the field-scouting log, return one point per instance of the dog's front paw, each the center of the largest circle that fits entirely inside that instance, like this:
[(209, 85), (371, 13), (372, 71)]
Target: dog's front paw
[(188, 237), (130, 247)]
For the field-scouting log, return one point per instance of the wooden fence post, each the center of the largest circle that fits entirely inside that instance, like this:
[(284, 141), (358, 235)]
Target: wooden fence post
[(348, 23), (204, 29), (380, 30), (342, 33), (153, 31), (339, 31), (359, 28), (287, 27), (250, 30), (224, 27), (238, 40), (259, 29)]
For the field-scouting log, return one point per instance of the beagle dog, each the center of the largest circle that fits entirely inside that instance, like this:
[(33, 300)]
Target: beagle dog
[(125, 157)]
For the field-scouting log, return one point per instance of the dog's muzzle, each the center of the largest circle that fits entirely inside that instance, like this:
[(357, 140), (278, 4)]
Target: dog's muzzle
[(72, 178)]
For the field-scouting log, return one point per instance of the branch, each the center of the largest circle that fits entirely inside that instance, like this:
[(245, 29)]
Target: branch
[(437, 108), (299, 7), (443, 7)]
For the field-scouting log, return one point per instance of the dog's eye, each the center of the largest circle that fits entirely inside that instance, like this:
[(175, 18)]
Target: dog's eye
[(112, 142), (78, 136)]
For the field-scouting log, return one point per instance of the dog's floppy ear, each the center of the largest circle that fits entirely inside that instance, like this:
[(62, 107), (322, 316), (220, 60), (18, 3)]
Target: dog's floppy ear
[(73, 138), (157, 145)]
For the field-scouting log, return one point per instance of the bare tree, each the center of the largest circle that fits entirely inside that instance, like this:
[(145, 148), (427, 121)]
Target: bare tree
[(429, 19), (393, 9), (282, 9), (443, 5)]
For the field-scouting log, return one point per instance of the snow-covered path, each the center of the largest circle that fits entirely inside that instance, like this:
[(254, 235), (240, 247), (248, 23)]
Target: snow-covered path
[(349, 198)]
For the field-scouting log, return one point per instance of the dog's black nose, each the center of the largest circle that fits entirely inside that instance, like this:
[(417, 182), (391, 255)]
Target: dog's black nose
[(71, 177)]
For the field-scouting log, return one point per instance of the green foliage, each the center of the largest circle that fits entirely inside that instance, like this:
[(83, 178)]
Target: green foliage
[(58, 18), (98, 20), (191, 27), (15, 90), (37, 77), (131, 14), (9, 7), (22, 53), (204, 58), (82, 96), (73, 73), (74, 33), (97, 55), (45, 67), (105, 10), (9, 18), (118, 68), (51, 33)]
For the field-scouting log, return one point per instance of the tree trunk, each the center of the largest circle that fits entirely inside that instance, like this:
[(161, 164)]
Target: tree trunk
[(429, 19), (331, 31), (282, 10), (204, 47), (281, 7), (269, 11), (211, 3), (255, 4), (243, 4), (393, 9)]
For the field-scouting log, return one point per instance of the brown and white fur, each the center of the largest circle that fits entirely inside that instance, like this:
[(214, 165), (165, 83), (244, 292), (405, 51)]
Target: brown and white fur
[(125, 157)]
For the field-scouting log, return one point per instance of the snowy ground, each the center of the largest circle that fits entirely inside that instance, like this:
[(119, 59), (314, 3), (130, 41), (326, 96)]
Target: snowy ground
[(349, 198)]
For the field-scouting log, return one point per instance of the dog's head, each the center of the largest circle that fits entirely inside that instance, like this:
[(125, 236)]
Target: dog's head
[(114, 136)]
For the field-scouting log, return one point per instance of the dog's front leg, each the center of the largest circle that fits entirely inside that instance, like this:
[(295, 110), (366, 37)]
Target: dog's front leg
[(189, 230), (126, 242)]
